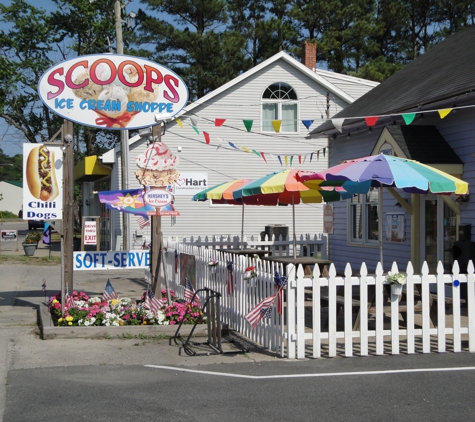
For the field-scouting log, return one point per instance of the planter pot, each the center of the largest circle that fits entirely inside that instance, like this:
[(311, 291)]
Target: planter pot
[(396, 289), (29, 248)]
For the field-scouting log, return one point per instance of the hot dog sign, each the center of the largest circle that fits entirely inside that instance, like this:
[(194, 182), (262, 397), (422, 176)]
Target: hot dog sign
[(113, 91), (43, 176)]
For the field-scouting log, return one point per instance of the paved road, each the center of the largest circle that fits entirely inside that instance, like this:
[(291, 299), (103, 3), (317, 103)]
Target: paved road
[(366, 389)]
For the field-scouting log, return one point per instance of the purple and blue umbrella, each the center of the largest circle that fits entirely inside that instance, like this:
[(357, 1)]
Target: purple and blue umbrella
[(389, 171)]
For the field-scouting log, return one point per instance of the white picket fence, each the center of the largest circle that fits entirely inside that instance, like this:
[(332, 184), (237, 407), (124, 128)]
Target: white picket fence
[(435, 317), (346, 316)]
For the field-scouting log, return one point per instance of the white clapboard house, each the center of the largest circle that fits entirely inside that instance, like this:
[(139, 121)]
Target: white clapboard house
[(228, 134)]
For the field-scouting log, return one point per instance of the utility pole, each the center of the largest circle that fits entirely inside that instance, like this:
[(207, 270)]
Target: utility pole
[(124, 134)]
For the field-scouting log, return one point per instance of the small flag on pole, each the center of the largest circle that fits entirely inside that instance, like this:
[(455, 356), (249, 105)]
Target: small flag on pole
[(280, 283), (143, 222), (190, 292), (262, 310), (109, 292), (151, 301), (69, 299), (43, 286)]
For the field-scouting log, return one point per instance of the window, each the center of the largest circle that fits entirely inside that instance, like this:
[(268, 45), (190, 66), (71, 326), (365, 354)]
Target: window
[(279, 102), (363, 218)]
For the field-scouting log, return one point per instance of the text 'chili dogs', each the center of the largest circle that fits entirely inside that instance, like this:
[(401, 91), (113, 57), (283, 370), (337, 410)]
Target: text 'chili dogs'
[(40, 174)]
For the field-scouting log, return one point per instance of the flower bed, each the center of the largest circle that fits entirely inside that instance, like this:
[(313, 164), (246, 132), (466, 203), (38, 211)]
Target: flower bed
[(96, 311)]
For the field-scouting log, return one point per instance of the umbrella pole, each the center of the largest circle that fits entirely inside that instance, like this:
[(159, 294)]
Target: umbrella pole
[(242, 227), (380, 224), (293, 224)]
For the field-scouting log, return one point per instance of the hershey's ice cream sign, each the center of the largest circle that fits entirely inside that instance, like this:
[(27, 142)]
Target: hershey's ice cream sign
[(191, 183)]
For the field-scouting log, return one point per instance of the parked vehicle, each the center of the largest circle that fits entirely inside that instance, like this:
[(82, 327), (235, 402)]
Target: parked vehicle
[(36, 224)]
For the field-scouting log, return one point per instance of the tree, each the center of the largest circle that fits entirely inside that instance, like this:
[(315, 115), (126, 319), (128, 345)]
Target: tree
[(248, 21), (24, 57), (11, 168), (31, 43), (197, 47), (85, 27)]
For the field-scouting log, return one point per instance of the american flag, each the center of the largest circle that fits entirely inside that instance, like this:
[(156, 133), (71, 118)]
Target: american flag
[(69, 299), (262, 310), (281, 283), (189, 292), (143, 222), (109, 292), (43, 286), (151, 301)]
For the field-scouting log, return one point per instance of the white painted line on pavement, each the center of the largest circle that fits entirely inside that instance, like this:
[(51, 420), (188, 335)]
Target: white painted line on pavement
[(325, 374)]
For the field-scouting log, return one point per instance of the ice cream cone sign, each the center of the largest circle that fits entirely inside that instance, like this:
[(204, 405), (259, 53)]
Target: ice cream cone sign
[(157, 172)]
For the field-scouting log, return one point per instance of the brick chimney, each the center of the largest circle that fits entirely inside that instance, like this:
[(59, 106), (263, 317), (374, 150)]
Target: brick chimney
[(309, 55)]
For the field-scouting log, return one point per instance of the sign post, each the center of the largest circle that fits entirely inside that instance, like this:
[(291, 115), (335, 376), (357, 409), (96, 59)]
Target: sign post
[(328, 218)]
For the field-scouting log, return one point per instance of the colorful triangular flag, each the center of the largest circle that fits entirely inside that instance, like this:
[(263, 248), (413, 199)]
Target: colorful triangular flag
[(409, 118), (248, 124), (276, 125), (444, 112)]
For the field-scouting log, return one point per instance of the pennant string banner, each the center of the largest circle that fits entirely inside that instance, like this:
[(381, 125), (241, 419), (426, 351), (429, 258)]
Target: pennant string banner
[(277, 124), (337, 122), (260, 154)]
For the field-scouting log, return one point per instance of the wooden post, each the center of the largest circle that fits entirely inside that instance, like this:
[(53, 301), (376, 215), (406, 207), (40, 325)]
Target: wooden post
[(67, 138), (156, 256)]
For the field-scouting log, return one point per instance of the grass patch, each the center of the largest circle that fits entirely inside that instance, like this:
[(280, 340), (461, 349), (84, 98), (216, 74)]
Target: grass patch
[(31, 260)]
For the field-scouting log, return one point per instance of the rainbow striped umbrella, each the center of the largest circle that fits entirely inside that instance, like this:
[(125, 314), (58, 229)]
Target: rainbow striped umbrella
[(390, 171), (283, 188), (222, 193)]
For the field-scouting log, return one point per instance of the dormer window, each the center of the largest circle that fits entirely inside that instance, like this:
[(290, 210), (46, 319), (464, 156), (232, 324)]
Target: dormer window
[(279, 102)]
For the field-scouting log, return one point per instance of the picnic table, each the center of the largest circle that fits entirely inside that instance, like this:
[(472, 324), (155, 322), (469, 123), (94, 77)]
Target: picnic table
[(249, 252), (308, 263)]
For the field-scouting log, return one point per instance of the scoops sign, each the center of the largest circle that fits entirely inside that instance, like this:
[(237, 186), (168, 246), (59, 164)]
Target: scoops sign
[(112, 91)]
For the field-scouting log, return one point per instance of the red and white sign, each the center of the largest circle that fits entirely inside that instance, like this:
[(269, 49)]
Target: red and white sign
[(328, 218), (90, 233), (113, 91), (158, 197)]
